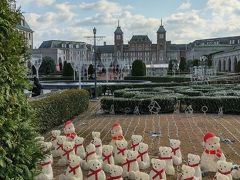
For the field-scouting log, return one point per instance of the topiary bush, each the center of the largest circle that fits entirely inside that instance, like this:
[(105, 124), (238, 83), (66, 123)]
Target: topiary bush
[(18, 152), (55, 109), (47, 66), (162, 79), (138, 68), (67, 69)]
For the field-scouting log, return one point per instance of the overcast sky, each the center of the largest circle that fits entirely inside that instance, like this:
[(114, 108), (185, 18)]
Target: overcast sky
[(184, 20)]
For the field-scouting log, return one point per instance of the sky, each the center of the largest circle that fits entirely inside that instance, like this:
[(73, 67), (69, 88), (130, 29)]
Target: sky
[(184, 20)]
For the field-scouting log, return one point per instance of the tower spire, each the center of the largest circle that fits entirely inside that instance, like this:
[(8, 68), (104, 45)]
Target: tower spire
[(161, 21), (118, 22)]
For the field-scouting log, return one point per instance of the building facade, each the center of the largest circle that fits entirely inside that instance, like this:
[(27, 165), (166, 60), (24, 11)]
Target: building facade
[(67, 51), (226, 61), (141, 47), (23, 26)]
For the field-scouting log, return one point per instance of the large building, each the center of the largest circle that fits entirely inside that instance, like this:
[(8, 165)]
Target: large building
[(62, 51), (141, 47), (23, 27)]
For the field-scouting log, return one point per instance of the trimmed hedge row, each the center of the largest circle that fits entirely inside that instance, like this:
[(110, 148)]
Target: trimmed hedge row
[(126, 105), (214, 97), (54, 109), (162, 79)]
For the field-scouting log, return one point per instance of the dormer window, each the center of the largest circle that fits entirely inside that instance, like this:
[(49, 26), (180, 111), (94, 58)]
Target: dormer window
[(63, 45)]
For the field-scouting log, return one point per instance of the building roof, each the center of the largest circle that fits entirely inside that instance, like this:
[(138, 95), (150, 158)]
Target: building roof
[(220, 40), (105, 49), (140, 39), (236, 48), (58, 44), (118, 30), (161, 29), (24, 26), (174, 47)]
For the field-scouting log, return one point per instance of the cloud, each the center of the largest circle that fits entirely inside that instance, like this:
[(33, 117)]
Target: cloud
[(185, 5)]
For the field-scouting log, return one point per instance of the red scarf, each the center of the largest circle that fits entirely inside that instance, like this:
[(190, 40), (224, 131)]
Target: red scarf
[(193, 165), (76, 147), (60, 146), (46, 163), (67, 153), (218, 152), (117, 138), (73, 169), (122, 151), (165, 158), (133, 146), (88, 154), (114, 177), (141, 155), (71, 135), (128, 163), (106, 158), (158, 173), (97, 146), (191, 178), (175, 150), (225, 173), (92, 172)]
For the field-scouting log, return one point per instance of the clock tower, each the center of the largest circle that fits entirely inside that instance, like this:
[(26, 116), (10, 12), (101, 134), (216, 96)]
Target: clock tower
[(161, 44)]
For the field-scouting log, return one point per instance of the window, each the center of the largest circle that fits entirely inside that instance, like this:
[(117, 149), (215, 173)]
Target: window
[(161, 36), (29, 36), (239, 41), (118, 37)]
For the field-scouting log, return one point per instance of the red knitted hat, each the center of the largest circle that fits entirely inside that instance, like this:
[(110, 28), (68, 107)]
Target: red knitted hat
[(116, 124), (67, 123), (209, 135)]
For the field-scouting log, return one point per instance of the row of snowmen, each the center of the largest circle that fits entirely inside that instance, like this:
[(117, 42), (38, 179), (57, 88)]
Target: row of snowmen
[(118, 161)]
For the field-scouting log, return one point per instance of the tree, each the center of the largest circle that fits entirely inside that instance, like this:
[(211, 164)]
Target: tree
[(138, 68), (90, 71), (182, 64), (18, 152), (47, 66), (195, 62), (67, 69), (237, 68)]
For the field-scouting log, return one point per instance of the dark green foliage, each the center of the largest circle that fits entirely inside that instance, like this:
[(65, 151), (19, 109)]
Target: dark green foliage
[(56, 108), (67, 69), (182, 64), (195, 62), (90, 71), (138, 68), (212, 96), (162, 79), (47, 66), (18, 153), (237, 68)]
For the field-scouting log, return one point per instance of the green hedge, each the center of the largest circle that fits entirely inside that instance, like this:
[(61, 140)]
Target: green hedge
[(123, 104), (214, 97), (162, 79), (55, 109)]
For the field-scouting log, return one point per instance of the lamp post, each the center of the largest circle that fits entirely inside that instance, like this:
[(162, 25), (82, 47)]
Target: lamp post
[(95, 62)]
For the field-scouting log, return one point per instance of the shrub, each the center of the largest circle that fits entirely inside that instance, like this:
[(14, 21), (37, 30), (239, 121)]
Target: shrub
[(54, 109), (162, 79), (18, 152), (138, 68), (47, 66), (67, 69)]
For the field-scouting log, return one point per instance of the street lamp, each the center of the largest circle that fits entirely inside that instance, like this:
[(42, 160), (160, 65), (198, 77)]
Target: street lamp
[(95, 62)]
